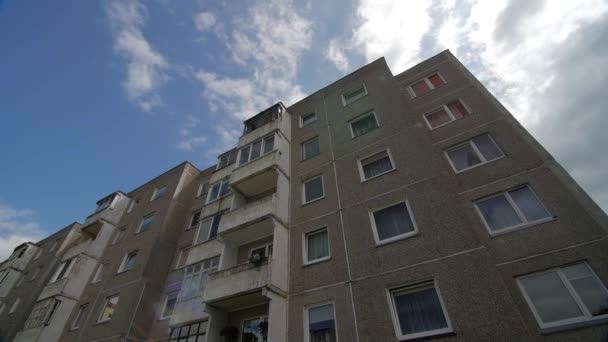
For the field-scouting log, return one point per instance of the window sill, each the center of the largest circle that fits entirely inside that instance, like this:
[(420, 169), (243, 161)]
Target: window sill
[(124, 271), (313, 201), (396, 238), (428, 337), (428, 92), (478, 165), (318, 261), (103, 322), (444, 124), (523, 226), (364, 134), (311, 157), (376, 176), (574, 326), (164, 318), (217, 199)]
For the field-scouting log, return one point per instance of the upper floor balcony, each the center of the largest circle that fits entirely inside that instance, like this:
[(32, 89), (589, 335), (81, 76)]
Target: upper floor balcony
[(238, 286), (109, 208)]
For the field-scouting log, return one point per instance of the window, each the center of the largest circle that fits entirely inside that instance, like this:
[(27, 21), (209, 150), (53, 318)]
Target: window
[(310, 148), (195, 278), (253, 330), (425, 85), (146, 223), (128, 262), (351, 96), (393, 223), (208, 229), (196, 216), (158, 193), (42, 313), (15, 305), (256, 149), (565, 295), (131, 206), (104, 203), (313, 189), (226, 159), (316, 246), (375, 165), (203, 188), (193, 332), (263, 251), (446, 114), (108, 309), (363, 124), (98, 274), (118, 235), (219, 189), (320, 323), (307, 119), (512, 209), (63, 270), (182, 257), (169, 306), (418, 311), (80, 316), (475, 152)]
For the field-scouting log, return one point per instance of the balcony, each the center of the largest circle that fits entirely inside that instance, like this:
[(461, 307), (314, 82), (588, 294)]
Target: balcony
[(257, 176), (238, 286), (256, 216)]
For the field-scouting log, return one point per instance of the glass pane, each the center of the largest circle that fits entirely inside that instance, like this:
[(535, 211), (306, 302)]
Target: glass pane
[(256, 149), (550, 297), (225, 188), (317, 245), (436, 80), (438, 118), (146, 223), (244, 155), (376, 167), (311, 148), (420, 88), (364, 125), (313, 189), (457, 109), (529, 205), (353, 95), (130, 261), (306, 119), (214, 226), (588, 287), (464, 157), (252, 331), (393, 221), (419, 311), (215, 190), (498, 213), (108, 311), (487, 147), (203, 233), (321, 324), (268, 144), (576, 271)]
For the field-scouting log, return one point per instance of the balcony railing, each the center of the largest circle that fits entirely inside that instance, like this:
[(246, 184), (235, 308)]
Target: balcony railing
[(235, 281)]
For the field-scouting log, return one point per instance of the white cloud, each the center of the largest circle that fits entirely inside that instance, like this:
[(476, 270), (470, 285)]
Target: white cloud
[(16, 227), (146, 67), (335, 54), (204, 21), (188, 137)]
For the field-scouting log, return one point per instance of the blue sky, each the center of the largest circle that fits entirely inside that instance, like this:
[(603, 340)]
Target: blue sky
[(97, 96)]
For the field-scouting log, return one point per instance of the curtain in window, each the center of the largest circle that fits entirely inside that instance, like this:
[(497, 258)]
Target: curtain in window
[(438, 118), (487, 147), (317, 246), (268, 144), (420, 88), (311, 148), (498, 213), (419, 311), (464, 157), (436, 80), (321, 324), (550, 297), (244, 156), (313, 189), (256, 149), (393, 221), (377, 167), (529, 205), (457, 109), (364, 125)]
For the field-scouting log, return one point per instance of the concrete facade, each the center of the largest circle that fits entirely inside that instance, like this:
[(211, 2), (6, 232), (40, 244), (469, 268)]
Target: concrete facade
[(231, 246)]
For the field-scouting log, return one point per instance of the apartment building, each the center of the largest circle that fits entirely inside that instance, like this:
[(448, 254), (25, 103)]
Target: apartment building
[(380, 208)]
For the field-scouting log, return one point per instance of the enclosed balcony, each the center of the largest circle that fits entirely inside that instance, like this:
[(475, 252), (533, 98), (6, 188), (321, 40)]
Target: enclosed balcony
[(238, 286)]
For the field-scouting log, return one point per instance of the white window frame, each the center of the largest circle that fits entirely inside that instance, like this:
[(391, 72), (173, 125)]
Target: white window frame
[(480, 155), (575, 296), (190, 226), (123, 264), (131, 205), (97, 275), (105, 305), (261, 318), (346, 102), (303, 148), (200, 224), (310, 123), (180, 256), (55, 278), (262, 148), (360, 164), (359, 118), (305, 236), (448, 111), (268, 249), (396, 237), (15, 305), (141, 224), (156, 191), (306, 319), (81, 309), (162, 311), (524, 222), (412, 288), (304, 189), (220, 182), (428, 83)]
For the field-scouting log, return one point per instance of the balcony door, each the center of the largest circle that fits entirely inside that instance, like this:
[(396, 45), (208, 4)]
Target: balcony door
[(255, 329)]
